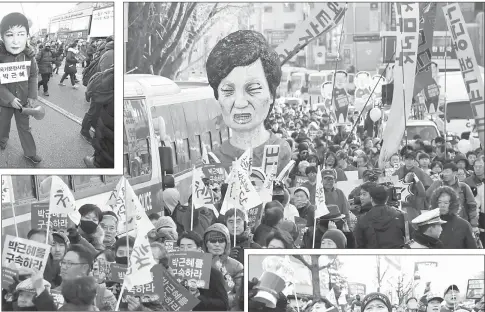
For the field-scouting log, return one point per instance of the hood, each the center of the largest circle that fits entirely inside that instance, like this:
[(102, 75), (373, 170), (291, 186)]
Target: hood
[(380, 218), (221, 228), (109, 46), (28, 51)]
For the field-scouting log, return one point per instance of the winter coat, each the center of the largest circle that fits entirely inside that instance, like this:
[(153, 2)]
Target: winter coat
[(307, 240), (45, 58), (107, 58), (423, 241), (417, 201), (182, 216), (215, 298), (468, 204), (381, 227), (90, 51), (457, 233), (52, 272), (262, 232), (307, 212), (228, 153), (244, 241), (100, 90), (71, 61), (232, 269), (337, 197), (24, 89), (95, 239)]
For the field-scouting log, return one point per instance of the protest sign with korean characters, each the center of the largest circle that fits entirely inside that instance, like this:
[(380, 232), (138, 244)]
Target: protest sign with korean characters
[(202, 195), (216, 173), (39, 213), (23, 253), (270, 158), (117, 272), (475, 289), (175, 296), (192, 266), (62, 200), (8, 277), (145, 292), (58, 298), (468, 64), (14, 72)]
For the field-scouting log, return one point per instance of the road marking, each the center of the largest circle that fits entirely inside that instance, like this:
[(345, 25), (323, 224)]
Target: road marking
[(60, 110)]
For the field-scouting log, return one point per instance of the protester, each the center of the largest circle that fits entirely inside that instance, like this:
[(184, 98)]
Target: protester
[(272, 215), (59, 246), (18, 95), (451, 297), (235, 222), (376, 302), (279, 239), (79, 294), (429, 230), (70, 66), (109, 224), (45, 58)]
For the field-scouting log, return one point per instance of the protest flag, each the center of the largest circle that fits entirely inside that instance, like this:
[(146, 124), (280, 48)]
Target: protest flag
[(62, 201), (8, 197), (321, 205), (202, 195)]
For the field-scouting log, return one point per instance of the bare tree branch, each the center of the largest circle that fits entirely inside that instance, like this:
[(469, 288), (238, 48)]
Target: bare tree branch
[(305, 263)]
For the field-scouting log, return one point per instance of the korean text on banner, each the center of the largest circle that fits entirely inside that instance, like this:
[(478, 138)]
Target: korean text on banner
[(39, 214), (175, 296), (14, 72), (20, 253), (468, 64), (191, 267), (62, 200), (404, 75), (7, 190), (321, 206), (202, 195), (117, 273), (270, 158), (322, 19)]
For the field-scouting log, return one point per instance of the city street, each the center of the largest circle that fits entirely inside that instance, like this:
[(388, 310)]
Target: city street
[(57, 136)]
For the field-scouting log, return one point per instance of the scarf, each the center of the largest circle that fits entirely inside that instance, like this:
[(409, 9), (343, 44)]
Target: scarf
[(428, 241)]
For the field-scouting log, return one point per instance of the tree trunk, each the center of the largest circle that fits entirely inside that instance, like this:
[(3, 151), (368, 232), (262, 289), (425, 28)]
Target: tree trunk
[(315, 277)]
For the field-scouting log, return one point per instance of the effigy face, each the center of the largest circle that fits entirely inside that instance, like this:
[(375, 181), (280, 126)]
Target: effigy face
[(245, 97)]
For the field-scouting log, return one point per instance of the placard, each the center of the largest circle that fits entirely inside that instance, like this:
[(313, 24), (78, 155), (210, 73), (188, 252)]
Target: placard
[(20, 252), (170, 245), (300, 180), (39, 214), (475, 289), (254, 215), (175, 296), (102, 22), (117, 273), (194, 267), (301, 224), (216, 173), (270, 158), (14, 72), (8, 276), (356, 289), (58, 298)]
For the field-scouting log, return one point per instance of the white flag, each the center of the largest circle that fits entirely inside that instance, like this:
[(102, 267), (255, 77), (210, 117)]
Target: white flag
[(141, 261), (119, 207), (246, 161), (331, 298), (240, 193), (321, 206), (62, 201), (7, 190), (266, 193), (114, 194), (136, 212), (205, 156), (202, 195)]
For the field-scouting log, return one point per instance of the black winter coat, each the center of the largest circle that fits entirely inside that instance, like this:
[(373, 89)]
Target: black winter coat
[(71, 61), (45, 59)]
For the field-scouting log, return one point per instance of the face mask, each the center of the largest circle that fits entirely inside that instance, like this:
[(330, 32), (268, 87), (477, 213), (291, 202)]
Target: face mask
[(121, 260), (89, 227)]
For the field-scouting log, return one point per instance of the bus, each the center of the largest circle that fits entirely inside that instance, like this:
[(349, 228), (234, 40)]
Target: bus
[(169, 123)]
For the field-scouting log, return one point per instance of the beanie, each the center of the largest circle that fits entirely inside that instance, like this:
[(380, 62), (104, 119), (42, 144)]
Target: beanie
[(374, 296), (171, 198), (12, 20), (165, 222), (337, 237), (214, 235)]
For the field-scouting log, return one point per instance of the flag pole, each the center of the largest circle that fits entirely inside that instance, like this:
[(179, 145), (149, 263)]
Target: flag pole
[(48, 214), (314, 231), (235, 226), (10, 191), (119, 298), (296, 299)]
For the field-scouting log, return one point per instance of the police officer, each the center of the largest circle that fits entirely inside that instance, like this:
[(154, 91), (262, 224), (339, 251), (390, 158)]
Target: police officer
[(429, 230)]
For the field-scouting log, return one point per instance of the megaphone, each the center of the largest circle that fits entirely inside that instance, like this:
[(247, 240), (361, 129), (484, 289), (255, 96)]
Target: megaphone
[(37, 112)]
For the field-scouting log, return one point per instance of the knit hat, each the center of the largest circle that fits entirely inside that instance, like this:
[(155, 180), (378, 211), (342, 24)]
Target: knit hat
[(304, 189), (214, 235), (171, 198), (12, 20), (165, 222), (451, 287), (337, 237), (60, 238), (27, 285), (374, 296)]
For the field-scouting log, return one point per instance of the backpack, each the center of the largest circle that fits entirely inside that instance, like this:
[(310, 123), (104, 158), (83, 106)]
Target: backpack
[(89, 71)]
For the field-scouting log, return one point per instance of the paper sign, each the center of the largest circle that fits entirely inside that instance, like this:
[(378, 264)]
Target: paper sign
[(7, 190), (175, 296), (23, 253), (146, 293), (475, 289), (299, 180), (14, 72), (39, 213), (216, 173), (301, 224), (424, 270), (193, 267), (58, 298), (348, 186), (270, 158), (117, 273), (254, 216), (352, 175), (8, 275)]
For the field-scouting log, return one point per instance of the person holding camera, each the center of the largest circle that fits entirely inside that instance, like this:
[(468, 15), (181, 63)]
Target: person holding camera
[(382, 226)]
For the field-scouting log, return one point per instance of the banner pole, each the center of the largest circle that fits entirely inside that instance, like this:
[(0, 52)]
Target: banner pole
[(296, 299), (446, 135), (119, 299), (314, 231), (235, 226), (13, 207), (49, 214)]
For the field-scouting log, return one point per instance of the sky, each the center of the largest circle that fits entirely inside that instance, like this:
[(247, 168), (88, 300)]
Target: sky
[(39, 13)]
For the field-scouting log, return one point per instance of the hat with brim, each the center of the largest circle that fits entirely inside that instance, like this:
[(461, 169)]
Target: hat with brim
[(428, 217), (329, 173), (333, 214)]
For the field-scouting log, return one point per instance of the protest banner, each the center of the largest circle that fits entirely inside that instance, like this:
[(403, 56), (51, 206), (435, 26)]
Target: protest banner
[(23, 253), (117, 272), (145, 292), (404, 75), (300, 180), (175, 296), (8, 277), (475, 289), (39, 214), (254, 216), (14, 72), (301, 224), (117, 201), (62, 201), (58, 298), (321, 19), (170, 245), (191, 266), (470, 71), (101, 270), (202, 195), (270, 158), (216, 173), (423, 270)]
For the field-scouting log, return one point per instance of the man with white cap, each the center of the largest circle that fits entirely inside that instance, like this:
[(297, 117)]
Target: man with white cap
[(452, 295), (431, 302), (429, 230)]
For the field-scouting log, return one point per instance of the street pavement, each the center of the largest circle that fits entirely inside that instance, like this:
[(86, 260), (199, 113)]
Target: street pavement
[(57, 136)]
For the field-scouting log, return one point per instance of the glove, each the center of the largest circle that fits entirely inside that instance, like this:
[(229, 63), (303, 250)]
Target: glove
[(475, 230), (235, 252), (73, 235)]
